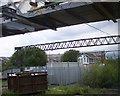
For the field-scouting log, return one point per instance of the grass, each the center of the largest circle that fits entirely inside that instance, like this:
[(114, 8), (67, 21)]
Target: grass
[(77, 89), (3, 82), (74, 89), (8, 92)]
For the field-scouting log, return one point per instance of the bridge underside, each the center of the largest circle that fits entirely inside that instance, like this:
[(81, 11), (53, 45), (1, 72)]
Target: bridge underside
[(82, 14)]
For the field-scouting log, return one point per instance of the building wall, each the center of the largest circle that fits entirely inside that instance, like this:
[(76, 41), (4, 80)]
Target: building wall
[(83, 59), (86, 59)]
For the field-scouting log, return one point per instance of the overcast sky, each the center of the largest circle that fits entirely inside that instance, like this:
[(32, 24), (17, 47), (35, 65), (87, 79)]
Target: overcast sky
[(7, 44)]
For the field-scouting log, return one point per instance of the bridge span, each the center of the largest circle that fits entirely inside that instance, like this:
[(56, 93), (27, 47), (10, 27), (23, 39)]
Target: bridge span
[(56, 16), (98, 41)]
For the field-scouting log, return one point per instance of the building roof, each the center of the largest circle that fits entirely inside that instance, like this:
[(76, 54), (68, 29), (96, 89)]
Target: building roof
[(4, 58), (96, 55), (89, 55)]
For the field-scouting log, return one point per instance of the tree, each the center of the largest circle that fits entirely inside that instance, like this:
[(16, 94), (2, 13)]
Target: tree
[(29, 57), (70, 56), (6, 64)]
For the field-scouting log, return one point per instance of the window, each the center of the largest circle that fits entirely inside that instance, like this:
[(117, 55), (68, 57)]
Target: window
[(87, 60), (81, 60)]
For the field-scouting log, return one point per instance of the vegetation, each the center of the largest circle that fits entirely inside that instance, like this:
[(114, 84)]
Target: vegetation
[(103, 76), (6, 64), (25, 57), (8, 92), (70, 56), (0, 67), (29, 57), (74, 89), (3, 82)]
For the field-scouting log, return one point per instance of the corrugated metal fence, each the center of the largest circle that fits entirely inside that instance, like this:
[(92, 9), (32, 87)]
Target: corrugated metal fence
[(63, 73)]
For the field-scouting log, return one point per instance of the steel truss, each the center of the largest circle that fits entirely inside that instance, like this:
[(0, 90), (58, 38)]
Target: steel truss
[(108, 40)]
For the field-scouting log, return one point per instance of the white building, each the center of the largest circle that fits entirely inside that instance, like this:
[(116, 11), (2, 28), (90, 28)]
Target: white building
[(87, 59)]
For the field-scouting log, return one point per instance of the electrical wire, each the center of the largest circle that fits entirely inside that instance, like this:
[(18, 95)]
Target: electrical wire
[(89, 24), (97, 29)]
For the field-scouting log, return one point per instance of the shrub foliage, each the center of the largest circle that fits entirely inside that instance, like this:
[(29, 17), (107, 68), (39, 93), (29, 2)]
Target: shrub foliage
[(103, 76)]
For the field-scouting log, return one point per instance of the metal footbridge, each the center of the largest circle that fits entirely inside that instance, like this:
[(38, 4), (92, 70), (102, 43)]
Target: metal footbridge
[(98, 41), (53, 15)]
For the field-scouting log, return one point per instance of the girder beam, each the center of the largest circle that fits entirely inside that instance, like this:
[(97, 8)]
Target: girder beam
[(100, 8), (108, 40)]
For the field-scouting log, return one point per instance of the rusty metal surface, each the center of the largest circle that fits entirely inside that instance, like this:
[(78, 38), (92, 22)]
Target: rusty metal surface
[(25, 83)]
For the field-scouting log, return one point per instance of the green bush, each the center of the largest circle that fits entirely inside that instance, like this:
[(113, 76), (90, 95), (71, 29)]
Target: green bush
[(6, 64), (103, 76), (9, 93)]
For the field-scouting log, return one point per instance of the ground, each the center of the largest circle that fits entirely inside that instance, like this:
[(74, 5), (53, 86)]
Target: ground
[(74, 89)]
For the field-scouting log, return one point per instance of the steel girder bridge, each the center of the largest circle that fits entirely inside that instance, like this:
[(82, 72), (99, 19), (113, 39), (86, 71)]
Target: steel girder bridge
[(52, 15), (108, 40)]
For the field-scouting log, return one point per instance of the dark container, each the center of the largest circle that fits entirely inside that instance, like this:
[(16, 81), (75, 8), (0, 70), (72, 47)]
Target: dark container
[(27, 83)]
